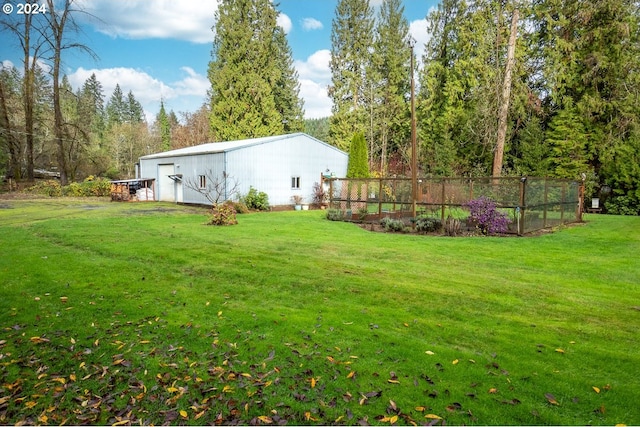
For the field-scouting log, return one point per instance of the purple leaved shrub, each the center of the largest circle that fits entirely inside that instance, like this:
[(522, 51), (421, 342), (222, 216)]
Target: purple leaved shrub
[(489, 219)]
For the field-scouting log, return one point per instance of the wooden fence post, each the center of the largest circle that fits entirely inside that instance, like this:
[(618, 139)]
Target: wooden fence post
[(523, 187)]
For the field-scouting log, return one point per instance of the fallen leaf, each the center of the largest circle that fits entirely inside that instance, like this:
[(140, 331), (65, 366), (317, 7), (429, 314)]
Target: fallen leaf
[(420, 408), (429, 352), (596, 389), (493, 390), (351, 374), (455, 362), (559, 350), (265, 419), (184, 414), (393, 381), (551, 399), (432, 417), (313, 382)]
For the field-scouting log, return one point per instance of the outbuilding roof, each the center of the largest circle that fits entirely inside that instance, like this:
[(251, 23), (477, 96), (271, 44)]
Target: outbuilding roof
[(221, 147)]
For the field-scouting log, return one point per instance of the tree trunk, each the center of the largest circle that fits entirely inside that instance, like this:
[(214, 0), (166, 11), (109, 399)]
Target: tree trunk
[(28, 84), (57, 23), (12, 143), (506, 95)]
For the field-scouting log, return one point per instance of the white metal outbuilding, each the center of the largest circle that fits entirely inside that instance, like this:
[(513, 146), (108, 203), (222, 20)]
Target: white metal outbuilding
[(281, 166)]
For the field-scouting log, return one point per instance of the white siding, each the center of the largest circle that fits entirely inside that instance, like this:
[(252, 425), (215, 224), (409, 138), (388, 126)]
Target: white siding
[(267, 164)]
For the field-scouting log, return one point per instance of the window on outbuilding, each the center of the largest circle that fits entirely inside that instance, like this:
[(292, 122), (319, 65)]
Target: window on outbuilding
[(202, 181), (295, 182)]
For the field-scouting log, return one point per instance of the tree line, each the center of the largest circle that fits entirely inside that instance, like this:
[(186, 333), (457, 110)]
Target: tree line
[(505, 87), (46, 124)]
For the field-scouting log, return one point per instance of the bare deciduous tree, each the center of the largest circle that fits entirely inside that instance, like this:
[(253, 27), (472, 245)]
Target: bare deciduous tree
[(60, 22), (215, 188)]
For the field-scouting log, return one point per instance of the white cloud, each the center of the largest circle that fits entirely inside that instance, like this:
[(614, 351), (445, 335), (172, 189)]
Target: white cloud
[(316, 67), (315, 76), (285, 22), (310, 24), (177, 19), (317, 103), (419, 30), (7, 64), (187, 94)]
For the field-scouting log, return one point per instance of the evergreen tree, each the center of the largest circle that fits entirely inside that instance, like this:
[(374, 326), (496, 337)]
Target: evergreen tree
[(358, 165), (162, 121), (116, 108), (287, 88), (253, 92), (567, 139), (134, 112), (91, 106), (461, 86), (351, 49), (392, 63), (317, 128)]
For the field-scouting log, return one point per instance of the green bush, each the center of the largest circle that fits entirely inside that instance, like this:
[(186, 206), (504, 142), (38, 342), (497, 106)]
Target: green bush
[(428, 224), (240, 207), (224, 214), (256, 200), (90, 187), (335, 215), (390, 224), (622, 205), (49, 188), (73, 190), (96, 187)]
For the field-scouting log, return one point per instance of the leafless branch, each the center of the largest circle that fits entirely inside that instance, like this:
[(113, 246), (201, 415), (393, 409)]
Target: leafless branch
[(217, 188)]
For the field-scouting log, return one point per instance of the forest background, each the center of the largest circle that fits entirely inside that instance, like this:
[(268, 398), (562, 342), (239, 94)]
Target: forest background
[(505, 87)]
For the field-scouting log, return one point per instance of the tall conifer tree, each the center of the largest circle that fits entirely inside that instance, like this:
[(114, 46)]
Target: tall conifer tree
[(253, 92), (392, 65), (351, 50)]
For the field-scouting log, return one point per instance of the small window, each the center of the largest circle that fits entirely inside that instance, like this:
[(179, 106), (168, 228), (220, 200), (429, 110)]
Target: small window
[(202, 180), (295, 182)]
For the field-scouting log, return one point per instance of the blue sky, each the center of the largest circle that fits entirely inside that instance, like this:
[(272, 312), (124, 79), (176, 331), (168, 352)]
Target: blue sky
[(161, 48)]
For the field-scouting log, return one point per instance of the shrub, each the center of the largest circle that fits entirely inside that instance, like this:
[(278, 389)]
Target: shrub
[(319, 195), (74, 190), (489, 219), (622, 205), (452, 226), (391, 224), (224, 214), (256, 200), (427, 224), (240, 207), (97, 187), (335, 215), (49, 188)]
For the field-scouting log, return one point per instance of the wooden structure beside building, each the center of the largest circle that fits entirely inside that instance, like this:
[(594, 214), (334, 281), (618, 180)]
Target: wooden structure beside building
[(130, 190)]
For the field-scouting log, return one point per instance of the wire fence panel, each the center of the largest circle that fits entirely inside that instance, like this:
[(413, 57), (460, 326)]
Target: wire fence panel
[(531, 203)]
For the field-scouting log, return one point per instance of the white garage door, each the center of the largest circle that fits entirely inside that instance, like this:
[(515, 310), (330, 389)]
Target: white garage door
[(166, 185)]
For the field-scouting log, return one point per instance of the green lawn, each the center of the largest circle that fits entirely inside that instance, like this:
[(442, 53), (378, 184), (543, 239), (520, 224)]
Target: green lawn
[(118, 313)]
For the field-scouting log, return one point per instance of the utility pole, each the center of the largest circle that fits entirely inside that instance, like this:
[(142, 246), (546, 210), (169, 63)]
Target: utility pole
[(414, 159)]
